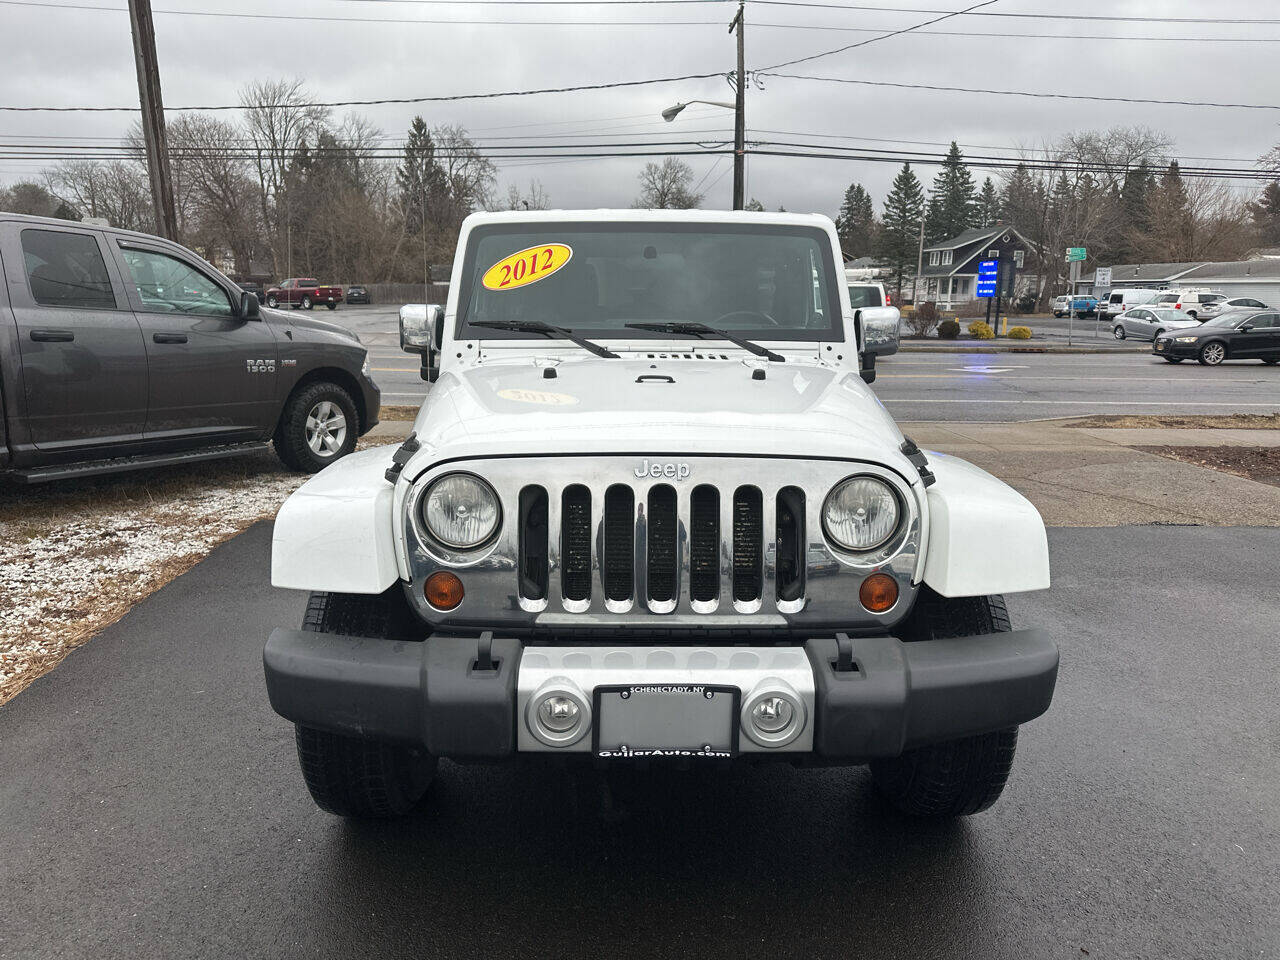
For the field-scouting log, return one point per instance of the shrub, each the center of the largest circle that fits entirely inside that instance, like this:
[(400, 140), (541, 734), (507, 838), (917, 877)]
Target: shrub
[(981, 330), (948, 330), (924, 318), (1019, 333)]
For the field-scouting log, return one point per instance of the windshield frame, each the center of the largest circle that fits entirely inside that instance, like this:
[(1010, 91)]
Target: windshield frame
[(833, 333)]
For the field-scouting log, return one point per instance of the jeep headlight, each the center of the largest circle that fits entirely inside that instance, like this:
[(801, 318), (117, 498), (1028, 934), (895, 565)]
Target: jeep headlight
[(860, 513), (460, 510)]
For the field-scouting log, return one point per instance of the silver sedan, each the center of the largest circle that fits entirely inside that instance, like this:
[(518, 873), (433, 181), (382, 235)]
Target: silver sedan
[(1147, 323)]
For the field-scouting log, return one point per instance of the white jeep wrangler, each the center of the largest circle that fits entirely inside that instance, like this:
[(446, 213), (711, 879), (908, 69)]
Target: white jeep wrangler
[(651, 511)]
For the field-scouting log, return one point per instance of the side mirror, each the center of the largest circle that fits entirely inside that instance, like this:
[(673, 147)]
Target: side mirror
[(422, 332), (881, 330), (1245, 327), (866, 356), (249, 307)]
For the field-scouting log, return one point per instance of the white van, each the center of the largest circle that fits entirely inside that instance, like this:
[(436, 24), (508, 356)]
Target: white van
[(1118, 301), (1200, 304)]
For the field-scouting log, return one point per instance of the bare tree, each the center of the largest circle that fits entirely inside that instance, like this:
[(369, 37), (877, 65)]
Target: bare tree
[(280, 120), (469, 175), (115, 190), (535, 198), (667, 186)]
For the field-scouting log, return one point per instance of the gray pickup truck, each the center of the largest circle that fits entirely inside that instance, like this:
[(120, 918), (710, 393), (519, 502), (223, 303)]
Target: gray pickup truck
[(120, 351)]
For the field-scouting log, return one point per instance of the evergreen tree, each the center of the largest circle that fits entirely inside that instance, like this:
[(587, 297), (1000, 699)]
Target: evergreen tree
[(899, 234), (419, 177), (1170, 228), (988, 205), (754, 206), (1020, 202), (1266, 214), (952, 200), (856, 222)]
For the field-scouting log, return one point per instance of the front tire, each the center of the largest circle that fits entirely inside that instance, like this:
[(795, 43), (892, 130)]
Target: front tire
[(318, 426), (272, 302), (1212, 354), (962, 777), (360, 777), (1118, 332)]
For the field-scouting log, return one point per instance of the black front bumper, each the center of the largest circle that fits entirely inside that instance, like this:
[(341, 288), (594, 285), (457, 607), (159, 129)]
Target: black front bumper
[(435, 693), (1171, 348)]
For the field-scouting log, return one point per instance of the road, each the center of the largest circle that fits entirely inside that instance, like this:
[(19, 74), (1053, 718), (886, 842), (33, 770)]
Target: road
[(972, 386), (151, 805)]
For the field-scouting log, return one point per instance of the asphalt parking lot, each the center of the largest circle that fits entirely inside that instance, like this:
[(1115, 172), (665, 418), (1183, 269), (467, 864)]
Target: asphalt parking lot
[(966, 387), (152, 806)]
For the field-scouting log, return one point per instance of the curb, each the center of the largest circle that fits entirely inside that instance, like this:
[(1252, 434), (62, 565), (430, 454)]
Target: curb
[(908, 347)]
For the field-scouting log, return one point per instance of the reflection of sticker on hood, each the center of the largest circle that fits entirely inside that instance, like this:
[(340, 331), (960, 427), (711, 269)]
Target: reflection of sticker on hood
[(520, 395), (527, 266)]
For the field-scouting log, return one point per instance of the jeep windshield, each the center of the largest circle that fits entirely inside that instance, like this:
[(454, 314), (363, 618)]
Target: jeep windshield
[(767, 282)]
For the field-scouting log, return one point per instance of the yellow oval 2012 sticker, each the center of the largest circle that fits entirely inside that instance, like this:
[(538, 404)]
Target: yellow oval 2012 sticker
[(527, 266)]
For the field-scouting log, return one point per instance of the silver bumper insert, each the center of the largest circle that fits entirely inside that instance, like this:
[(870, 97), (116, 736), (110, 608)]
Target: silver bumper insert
[(573, 673)]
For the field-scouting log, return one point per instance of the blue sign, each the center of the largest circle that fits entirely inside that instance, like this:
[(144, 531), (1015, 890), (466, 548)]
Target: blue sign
[(988, 271)]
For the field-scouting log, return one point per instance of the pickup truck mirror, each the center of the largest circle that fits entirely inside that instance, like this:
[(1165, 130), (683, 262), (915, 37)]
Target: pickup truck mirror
[(249, 307)]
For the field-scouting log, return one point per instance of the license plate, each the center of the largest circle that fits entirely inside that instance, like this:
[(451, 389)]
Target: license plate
[(666, 720)]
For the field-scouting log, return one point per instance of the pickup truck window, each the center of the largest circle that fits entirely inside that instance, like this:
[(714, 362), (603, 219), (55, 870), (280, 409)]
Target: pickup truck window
[(773, 282), (168, 285), (66, 270)]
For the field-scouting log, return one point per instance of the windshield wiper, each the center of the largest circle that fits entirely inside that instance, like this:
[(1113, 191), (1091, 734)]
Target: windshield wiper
[(547, 330), (702, 331)]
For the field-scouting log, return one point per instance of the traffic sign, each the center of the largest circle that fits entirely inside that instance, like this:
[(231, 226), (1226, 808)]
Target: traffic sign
[(988, 270), (1102, 279), (1075, 253)]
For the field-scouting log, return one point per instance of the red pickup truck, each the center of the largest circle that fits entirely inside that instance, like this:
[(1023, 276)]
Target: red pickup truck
[(304, 292)]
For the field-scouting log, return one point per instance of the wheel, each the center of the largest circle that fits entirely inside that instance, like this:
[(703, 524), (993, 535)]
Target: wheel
[(1174, 359), (317, 427), (307, 304), (960, 777), (332, 306), (1057, 315), (1212, 354), (272, 302), (1156, 334), (359, 777), (1191, 314), (1118, 332)]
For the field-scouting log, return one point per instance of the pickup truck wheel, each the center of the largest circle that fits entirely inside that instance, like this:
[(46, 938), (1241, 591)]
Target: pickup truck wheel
[(359, 777), (307, 304), (272, 302), (318, 426), (960, 777), (332, 306)]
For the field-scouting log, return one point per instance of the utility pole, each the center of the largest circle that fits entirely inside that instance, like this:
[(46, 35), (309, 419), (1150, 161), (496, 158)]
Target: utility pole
[(740, 114), (153, 135), (915, 284)]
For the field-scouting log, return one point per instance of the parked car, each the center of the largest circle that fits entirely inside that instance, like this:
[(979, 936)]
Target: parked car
[(304, 292), (249, 286), (882, 323), (602, 542), (357, 294), (120, 351), (1118, 301), (1147, 323), (1242, 303), (1194, 303), (1060, 306), (1238, 335)]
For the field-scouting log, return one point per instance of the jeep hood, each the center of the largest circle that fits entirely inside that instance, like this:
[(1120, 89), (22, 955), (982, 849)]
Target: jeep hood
[(655, 406)]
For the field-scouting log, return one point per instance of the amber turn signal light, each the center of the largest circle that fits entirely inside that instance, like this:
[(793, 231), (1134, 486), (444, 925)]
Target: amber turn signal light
[(878, 592), (443, 590)]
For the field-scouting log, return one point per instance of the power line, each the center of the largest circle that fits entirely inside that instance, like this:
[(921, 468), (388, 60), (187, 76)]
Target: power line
[(988, 35), (1003, 13), (1026, 93), (946, 15)]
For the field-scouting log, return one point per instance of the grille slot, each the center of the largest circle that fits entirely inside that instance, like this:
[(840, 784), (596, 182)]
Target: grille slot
[(533, 543), (704, 544), (575, 543), (791, 543), (661, 547), (618, 556), (748, 532)]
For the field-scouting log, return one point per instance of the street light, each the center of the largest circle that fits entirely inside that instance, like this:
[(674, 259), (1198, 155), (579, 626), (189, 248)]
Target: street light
[(673, 111)]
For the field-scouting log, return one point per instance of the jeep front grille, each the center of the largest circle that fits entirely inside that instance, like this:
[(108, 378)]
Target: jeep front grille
[(689, 543)]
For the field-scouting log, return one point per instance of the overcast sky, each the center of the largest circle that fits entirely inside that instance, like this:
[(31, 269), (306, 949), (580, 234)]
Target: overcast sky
[(84, 57)]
